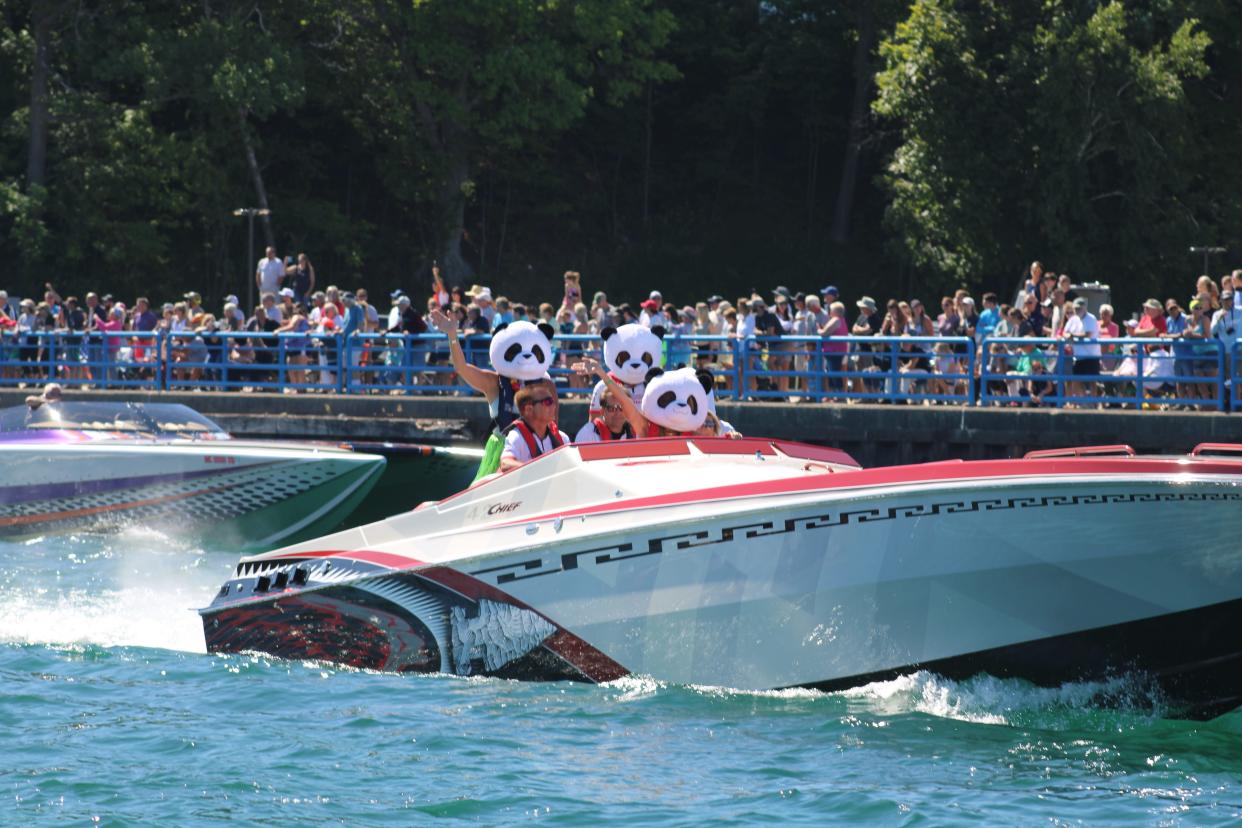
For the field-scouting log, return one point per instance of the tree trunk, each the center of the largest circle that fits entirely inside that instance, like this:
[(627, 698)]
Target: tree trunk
[(41, 15), (256, 176), (858, 115), (647, 161), (452, 203)]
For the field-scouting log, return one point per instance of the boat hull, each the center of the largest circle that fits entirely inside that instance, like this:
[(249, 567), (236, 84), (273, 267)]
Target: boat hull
[(1053, 580), (247, 496)]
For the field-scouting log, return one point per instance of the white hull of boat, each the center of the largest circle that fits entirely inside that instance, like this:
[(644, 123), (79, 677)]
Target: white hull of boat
[(815, 575)]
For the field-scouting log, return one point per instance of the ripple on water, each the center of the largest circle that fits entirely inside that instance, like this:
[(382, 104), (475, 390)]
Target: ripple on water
[(111, 711)]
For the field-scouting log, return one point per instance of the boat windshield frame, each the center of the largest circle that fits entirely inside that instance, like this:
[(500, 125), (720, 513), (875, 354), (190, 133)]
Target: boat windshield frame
[(156, 420)]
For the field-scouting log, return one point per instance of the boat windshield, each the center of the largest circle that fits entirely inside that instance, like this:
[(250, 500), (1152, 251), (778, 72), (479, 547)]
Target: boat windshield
[(153, 420)]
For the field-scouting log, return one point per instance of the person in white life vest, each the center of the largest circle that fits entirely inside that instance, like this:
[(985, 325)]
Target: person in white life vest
[(611, 424), (534, 433)]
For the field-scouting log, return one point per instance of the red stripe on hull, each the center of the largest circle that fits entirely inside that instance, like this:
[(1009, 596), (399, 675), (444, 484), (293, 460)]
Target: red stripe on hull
[(1027, 470)]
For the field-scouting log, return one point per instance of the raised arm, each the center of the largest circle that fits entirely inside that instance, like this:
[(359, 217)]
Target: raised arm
[(590, 366), (480, 379)]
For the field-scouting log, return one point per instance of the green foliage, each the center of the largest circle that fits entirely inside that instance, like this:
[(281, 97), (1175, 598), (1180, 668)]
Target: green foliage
[(683, 144), (1053, 129)]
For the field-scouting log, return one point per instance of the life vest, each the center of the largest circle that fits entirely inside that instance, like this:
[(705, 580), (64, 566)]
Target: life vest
[(528, 436), (654, 430), (605, 433), (506, 408)]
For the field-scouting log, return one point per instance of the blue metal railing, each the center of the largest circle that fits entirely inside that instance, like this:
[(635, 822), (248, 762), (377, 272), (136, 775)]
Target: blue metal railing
[(998, 371), (1132, 372)]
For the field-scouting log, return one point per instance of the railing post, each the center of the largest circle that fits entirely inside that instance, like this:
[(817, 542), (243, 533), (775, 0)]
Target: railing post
[(50, 345), (975, 353), (1138, 376), (341, 364)]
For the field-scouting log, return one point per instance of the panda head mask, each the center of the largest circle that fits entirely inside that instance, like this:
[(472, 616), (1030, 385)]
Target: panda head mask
[(632, 350), (521, 350), (676, 400)]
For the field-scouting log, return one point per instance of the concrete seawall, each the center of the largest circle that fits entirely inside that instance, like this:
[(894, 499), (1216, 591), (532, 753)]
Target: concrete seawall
[(874, 434)]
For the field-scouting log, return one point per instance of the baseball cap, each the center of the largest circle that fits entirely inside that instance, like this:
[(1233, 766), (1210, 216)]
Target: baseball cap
[(1080, 302), (396, 294), (192, 296), (286, 292), (403, 300), (715, 297), (231, 299), (830, 289), (650, 304)]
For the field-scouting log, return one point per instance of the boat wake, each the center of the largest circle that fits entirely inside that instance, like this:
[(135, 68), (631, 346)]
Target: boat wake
[(985, 699), (981, 699), (134, 589)]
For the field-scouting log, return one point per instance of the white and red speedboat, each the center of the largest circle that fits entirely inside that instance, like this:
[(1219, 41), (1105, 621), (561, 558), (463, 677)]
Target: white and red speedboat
[(759, 563)]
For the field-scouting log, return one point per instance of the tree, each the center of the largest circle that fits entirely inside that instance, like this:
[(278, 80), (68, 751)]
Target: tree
[(453, 86), (1056, 126)]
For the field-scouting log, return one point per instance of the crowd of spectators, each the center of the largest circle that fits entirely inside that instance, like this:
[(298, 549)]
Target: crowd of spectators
[(820, 350)]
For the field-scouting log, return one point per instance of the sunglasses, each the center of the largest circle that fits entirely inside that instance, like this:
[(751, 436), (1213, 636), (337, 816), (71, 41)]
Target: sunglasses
[(548, 401), (613, 407)]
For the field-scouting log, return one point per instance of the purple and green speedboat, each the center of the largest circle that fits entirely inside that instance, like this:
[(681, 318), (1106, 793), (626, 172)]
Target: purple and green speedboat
[(100, 466)]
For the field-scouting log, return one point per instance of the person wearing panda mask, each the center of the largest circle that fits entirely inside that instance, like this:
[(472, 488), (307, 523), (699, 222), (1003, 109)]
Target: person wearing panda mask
[(674, 402), (520, 353), (630, 351)]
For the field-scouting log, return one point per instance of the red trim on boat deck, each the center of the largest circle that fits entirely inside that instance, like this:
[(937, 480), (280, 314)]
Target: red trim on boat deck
[(621, 449), (717, 445), (388, 559), (1027, 470)]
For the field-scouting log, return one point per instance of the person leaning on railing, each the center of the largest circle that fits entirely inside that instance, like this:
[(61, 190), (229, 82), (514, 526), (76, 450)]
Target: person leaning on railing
[(1202, 350), (1226, 327)]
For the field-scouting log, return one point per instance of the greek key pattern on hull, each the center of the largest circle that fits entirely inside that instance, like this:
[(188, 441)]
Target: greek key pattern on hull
[(598, 556)]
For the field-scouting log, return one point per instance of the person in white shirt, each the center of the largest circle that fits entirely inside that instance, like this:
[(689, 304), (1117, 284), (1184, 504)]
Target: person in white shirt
[(1082, 328), (651, 315), (272, 309), (535, 433), (487, 309), (269, 273), (610, 425)]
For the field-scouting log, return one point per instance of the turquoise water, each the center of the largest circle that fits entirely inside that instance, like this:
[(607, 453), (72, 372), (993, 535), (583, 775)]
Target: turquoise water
[(111, 714)]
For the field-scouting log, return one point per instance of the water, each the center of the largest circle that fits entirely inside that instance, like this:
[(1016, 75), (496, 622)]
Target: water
[(112, 714)]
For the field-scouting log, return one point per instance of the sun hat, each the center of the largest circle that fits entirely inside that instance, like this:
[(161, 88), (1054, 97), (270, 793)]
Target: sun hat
[(1154, 304)]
